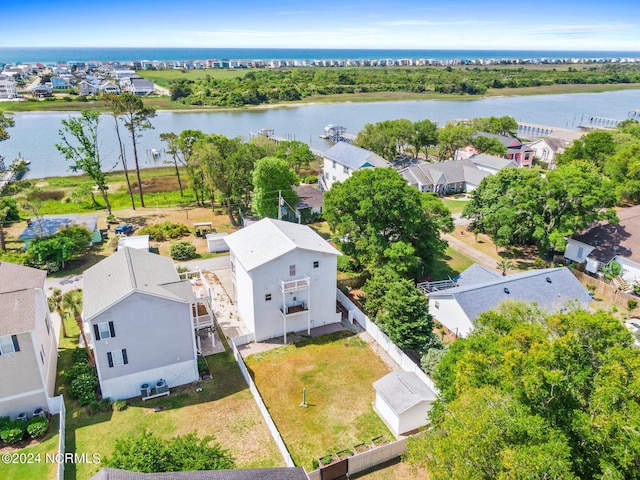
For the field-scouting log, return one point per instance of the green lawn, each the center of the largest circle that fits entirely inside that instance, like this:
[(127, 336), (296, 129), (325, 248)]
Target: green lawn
[(35, 466), (338, 371), (454, 205), (450, 266), (225, 408), (163, 77)]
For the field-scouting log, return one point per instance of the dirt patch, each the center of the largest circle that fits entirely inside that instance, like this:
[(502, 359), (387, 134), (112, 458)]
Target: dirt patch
[(157, 185)]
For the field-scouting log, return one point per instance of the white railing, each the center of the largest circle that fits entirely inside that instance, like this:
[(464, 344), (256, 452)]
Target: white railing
[(355, 314), (294, 284), (262, 407)]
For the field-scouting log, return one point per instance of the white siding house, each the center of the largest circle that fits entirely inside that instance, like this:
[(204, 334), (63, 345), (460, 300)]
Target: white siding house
[(342, 159), (283, 278), (605, 242), (28, 344), (140, 318), (552, 289)]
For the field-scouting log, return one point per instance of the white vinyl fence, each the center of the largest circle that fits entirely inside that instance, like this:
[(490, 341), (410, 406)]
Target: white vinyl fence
[(56, 406), (356, 315), (263, 409)]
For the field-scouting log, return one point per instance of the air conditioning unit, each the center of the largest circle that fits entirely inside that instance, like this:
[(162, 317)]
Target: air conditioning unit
[(145, 390), (39, 412), (161, 386)]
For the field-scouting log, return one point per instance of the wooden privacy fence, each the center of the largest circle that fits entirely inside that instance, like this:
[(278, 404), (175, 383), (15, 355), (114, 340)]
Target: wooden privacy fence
[(606, 291)]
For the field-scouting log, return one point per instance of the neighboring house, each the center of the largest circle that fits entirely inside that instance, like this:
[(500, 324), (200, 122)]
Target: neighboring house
[(604, 242), (546, 149), (342, 159), (58, 83), (40, 91), (7, 87), (28, 345), (140, 319), (552, 289), (283, 278), (109, 87), (517, 151), (87, 89), (140, 242), (277, 473), (403, 401), (454, 176), (140, 87), (47, 225), (310, 197)]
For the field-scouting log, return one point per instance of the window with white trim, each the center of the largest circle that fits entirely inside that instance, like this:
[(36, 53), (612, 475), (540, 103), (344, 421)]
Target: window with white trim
[(9, 344), (267, 297), (292, 270), (117, 358), (316, 264)]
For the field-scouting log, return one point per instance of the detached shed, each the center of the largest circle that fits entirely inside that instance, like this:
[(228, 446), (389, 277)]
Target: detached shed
[(141, 242), (403, 401), (216, 243)]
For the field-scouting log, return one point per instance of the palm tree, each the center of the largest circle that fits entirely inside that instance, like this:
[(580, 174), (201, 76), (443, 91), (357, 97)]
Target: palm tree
[(72, 303), (505, 265), (55, 305)]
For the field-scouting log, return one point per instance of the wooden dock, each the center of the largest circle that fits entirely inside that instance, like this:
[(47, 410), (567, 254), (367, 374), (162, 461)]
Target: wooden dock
[(533, 131)]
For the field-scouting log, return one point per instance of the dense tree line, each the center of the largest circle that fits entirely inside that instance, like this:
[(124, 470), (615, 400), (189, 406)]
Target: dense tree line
[(528, 395), (276, 86)]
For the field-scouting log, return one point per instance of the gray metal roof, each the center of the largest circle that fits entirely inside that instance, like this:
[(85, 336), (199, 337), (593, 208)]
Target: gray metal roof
[(130, 270), (453, 171), (47, 225), (403, 390), (531, 287), (269, 239), (282, 473), (354, 157)]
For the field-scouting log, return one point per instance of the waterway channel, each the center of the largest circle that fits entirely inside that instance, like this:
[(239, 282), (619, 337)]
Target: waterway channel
[(35, 134)]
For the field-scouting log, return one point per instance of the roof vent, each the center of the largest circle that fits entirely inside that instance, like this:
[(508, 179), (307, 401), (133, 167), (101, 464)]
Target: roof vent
[(549, 280), (506, 290)]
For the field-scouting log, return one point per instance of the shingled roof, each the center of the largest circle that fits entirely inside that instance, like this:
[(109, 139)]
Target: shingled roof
[(354, 157)]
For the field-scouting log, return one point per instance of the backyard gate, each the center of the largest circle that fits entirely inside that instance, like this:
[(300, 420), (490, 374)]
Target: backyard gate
[(335, 470)]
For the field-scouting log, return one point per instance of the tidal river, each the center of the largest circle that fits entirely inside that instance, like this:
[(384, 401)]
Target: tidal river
[(35, 134)]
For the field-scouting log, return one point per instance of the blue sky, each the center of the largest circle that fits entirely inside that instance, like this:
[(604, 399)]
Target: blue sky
[(461, 24)]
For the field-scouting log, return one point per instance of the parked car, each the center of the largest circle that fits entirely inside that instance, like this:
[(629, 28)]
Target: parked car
[(124, 229)]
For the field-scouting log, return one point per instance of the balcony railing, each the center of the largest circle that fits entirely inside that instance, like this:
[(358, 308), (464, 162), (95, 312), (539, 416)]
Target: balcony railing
[(292, 285), (295, 307)]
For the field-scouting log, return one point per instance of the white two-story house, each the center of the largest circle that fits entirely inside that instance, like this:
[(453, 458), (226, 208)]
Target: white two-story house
[(283, 278), (28, 344), (139, 315), (342, 159)]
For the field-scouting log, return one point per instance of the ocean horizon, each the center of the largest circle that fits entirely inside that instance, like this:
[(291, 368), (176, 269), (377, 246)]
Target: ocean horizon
[(102, 54)]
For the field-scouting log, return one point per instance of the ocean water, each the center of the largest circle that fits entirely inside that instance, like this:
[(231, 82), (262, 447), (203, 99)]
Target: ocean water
[(60, 54)]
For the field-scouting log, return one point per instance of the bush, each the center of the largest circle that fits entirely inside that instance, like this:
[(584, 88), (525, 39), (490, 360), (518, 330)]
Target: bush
[(37, 426), (162, 231), (106, 405), (13, 432), (80, 355), (84, 388), (120, 405), (79, 369), (183, 250), (4, 421), (632, 304)]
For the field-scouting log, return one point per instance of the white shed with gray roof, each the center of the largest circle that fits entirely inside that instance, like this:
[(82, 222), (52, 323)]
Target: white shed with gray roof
[(403, 401)]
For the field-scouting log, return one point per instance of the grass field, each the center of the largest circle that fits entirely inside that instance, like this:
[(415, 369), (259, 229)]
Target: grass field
[(163, 77), (338, 371), (449, 266), (36, 467), (225, 408), (454, 205)]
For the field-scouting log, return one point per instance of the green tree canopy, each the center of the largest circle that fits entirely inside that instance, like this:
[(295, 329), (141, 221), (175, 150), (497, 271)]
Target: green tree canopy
[(388, 138), (525, 384), (297, 154), (150, 454), (270, 176), (375, 208), (453, 136), (5, 122), (490, 145), (80, 144)]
